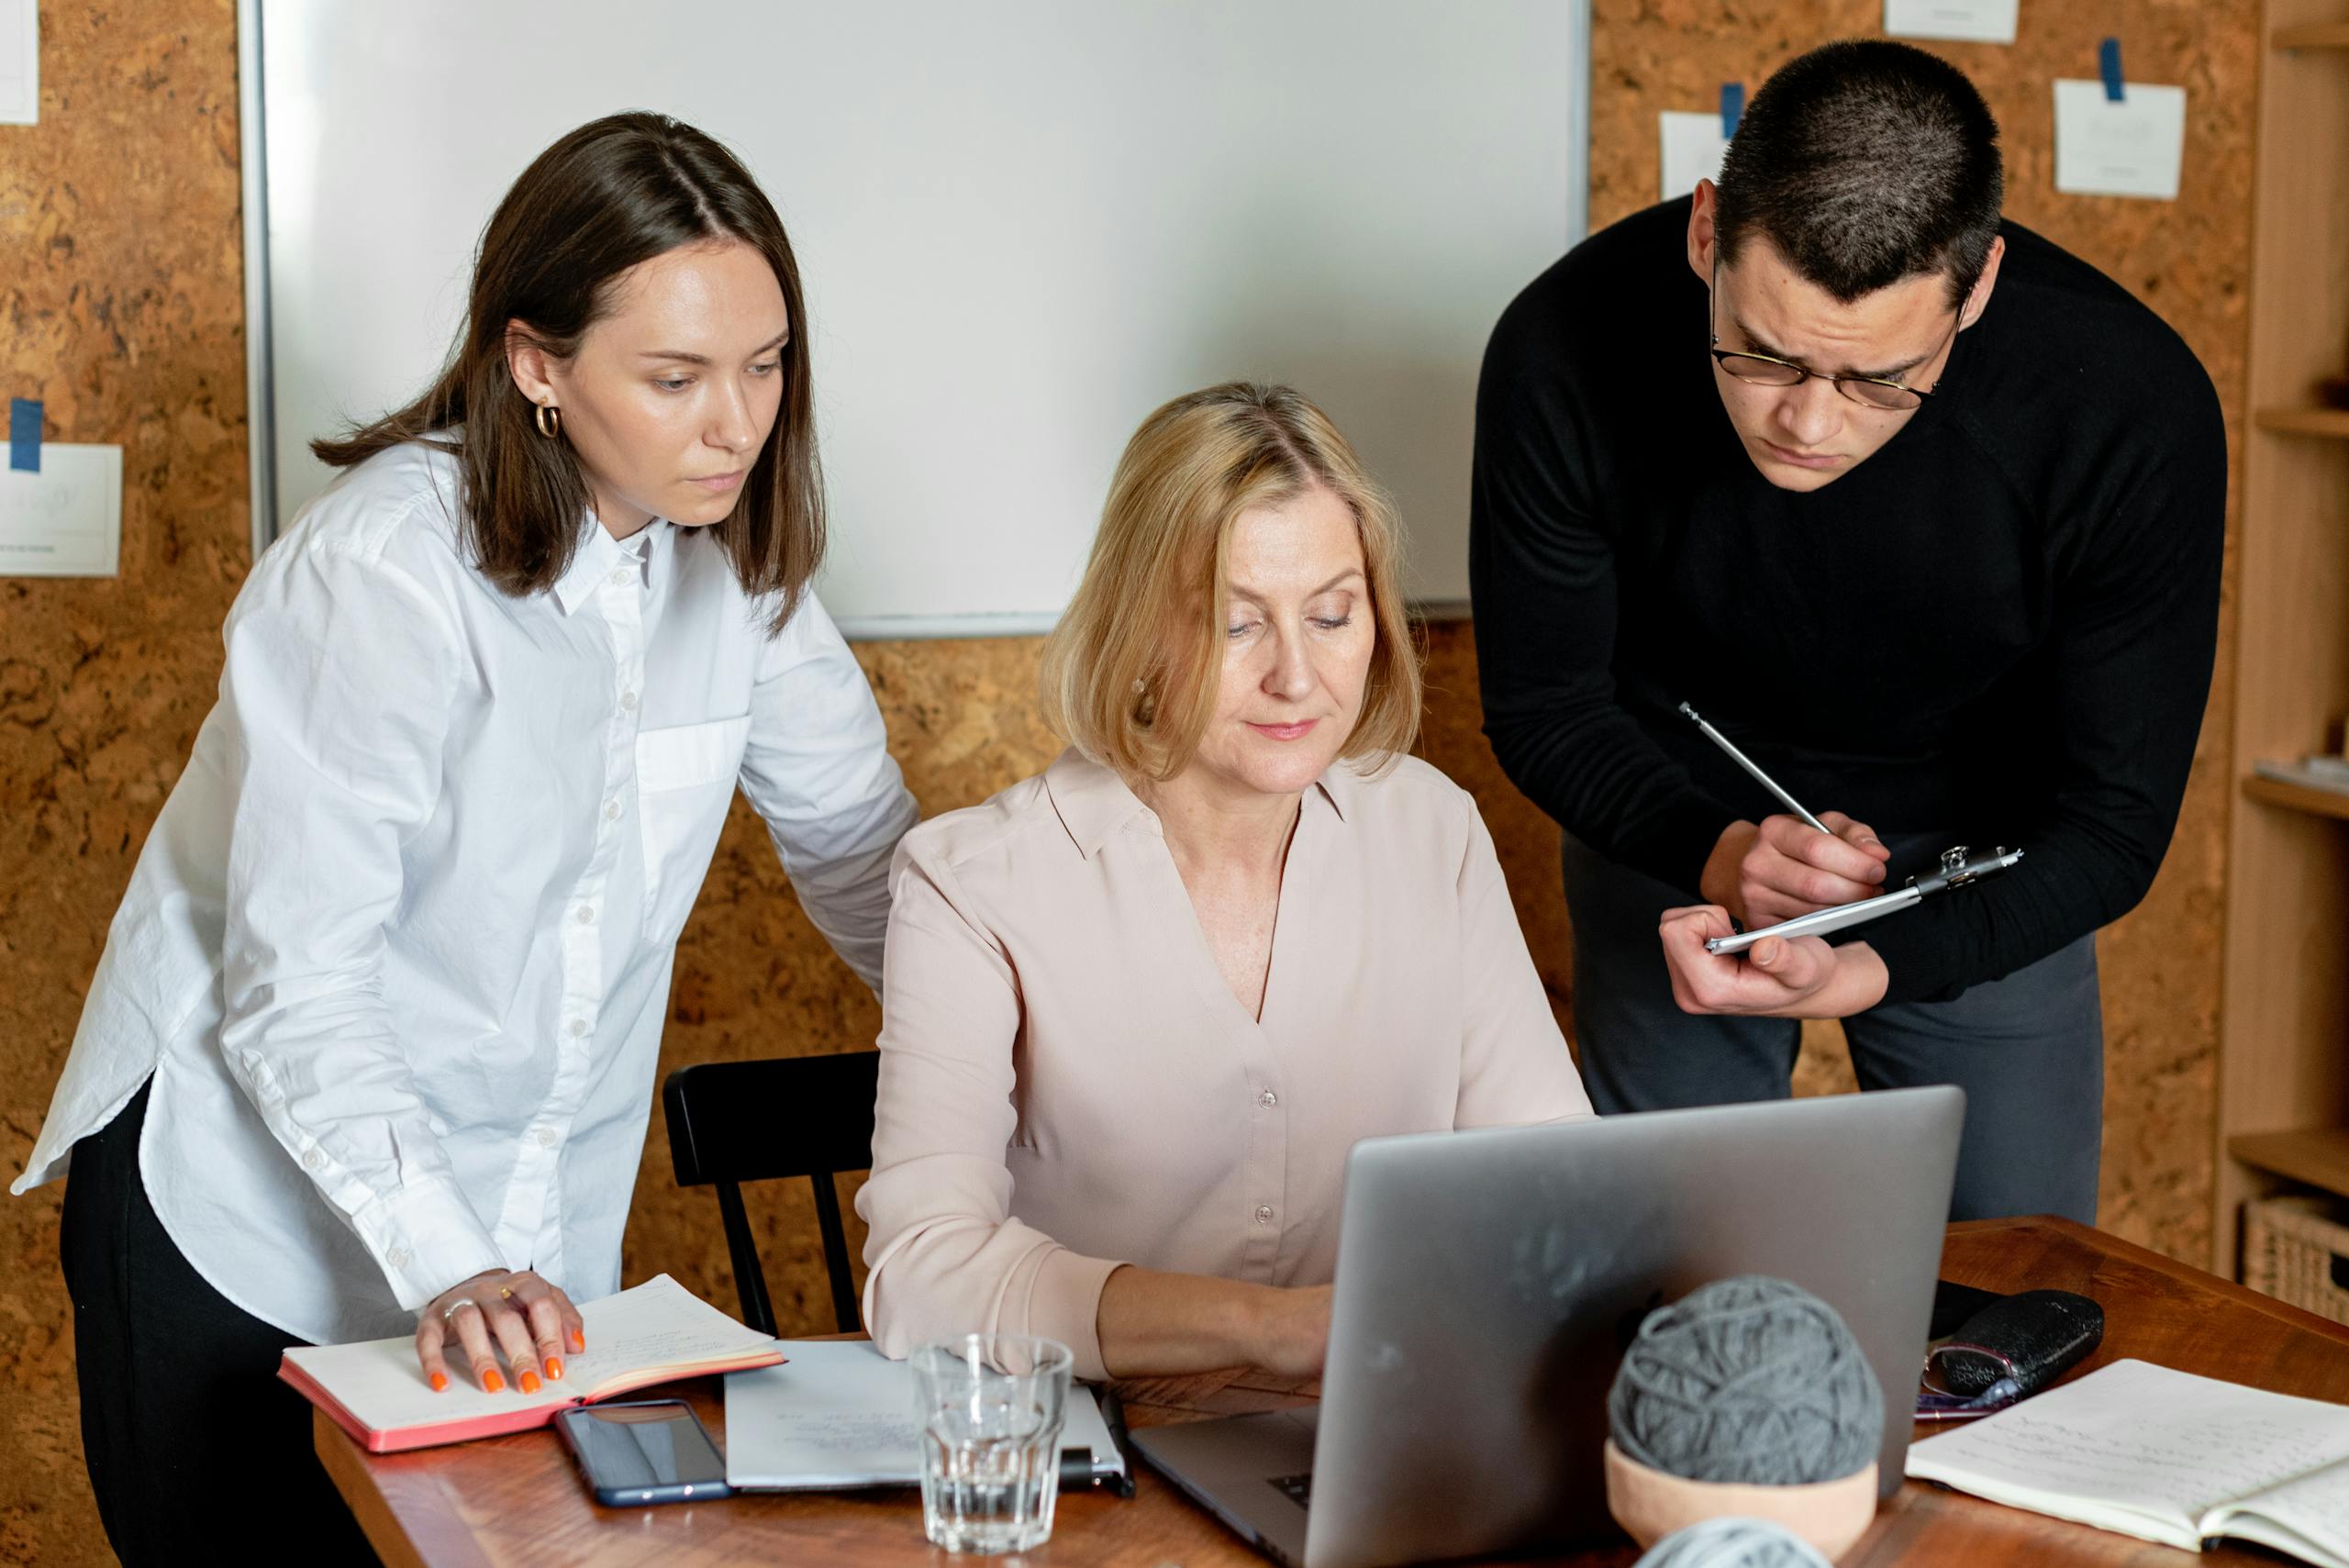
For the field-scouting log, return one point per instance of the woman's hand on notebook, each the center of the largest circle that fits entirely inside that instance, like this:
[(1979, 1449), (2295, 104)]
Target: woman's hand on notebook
[(527, 1319)]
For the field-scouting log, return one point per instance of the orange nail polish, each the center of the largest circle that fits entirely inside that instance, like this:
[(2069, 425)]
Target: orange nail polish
[(578, 1341), (529, 1383), (494, 1383), (439, 1382), (554, 1366)]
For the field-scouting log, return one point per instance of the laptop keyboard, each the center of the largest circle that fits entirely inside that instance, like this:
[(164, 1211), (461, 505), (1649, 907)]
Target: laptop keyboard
[(1297, 1489)]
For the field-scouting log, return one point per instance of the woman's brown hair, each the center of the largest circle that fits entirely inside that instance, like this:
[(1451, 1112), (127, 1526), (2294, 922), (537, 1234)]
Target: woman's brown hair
[(1131, 672), (614, 194)]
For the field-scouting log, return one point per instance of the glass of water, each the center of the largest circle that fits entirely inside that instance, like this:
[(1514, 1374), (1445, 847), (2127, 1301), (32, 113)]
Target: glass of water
[(990, 1408)]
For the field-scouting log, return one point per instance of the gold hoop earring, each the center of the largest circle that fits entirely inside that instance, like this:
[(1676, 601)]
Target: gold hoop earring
[(549, 419)]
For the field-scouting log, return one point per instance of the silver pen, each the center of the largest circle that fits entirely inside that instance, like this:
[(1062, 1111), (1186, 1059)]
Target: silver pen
[(1742, 761)]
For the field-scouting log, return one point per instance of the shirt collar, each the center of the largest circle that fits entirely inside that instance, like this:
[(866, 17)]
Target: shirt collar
[(1094, 802), (599, 553)]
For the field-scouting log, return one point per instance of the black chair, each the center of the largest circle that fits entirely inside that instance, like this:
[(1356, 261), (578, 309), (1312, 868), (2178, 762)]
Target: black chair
[(731, 1122)]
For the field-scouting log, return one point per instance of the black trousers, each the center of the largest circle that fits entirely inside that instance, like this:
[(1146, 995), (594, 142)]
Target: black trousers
[(2028, 1050), (196, 1451)]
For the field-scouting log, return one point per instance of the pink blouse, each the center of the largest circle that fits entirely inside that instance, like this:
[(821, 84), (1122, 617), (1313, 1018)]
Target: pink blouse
[(1067, 1084)]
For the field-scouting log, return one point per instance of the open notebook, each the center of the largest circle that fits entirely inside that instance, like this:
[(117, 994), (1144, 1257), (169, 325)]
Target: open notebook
[(841, 1414), (654, 1333), (2165, 1456)]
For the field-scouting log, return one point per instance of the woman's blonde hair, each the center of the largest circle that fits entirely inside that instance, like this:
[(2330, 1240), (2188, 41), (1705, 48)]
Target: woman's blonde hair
[(1131, 672)]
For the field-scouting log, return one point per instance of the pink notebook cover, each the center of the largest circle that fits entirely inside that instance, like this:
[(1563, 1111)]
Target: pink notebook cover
[(525, 1417)]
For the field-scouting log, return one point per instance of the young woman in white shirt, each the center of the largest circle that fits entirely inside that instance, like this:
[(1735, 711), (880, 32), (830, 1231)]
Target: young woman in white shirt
[(371, 1050)]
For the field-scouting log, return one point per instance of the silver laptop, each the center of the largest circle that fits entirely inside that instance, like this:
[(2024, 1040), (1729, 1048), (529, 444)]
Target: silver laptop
[(1488, 1282)]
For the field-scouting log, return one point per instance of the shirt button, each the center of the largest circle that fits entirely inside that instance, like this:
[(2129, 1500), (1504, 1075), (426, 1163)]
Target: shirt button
[(1264, 1214), (397, 1257), (587, 915), (611, 811), (578, 1028), (312, 1160), (628, 701), (620, 577), (1268, 1099), (546, 1138)]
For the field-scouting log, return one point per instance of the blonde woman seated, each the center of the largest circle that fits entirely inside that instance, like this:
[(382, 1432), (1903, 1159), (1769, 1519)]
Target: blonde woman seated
[(1137, 1009)]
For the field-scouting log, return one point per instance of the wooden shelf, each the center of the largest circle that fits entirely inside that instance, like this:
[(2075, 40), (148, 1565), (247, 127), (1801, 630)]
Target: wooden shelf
[(2305, 421), (2312, 34), (2318, 1156), (2296, 798)]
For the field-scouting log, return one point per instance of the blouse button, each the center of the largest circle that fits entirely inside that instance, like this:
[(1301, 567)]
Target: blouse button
[(611, 811), (312, 1160), (397, 1257), (586, 916), (578, 1028), (1268, 1099), (620, 577), (546, 1138), (628, 701), (1264, 1214)]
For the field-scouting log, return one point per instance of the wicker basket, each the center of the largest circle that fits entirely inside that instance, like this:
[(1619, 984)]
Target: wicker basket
[(2295, 1249)]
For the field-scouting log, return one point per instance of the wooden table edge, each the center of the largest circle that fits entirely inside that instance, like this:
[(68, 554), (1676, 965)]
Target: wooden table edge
[(2126, 1251)]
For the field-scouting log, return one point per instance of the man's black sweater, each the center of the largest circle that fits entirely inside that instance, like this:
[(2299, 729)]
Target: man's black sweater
[(1997, 630)]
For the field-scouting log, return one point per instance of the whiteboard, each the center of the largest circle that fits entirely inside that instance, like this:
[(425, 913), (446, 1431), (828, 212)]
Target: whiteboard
[(1021, 226)]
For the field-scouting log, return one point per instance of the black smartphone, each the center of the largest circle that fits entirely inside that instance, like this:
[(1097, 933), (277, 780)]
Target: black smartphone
[(648, 1451)]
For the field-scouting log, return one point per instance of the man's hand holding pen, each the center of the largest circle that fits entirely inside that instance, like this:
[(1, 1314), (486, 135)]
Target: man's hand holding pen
[(1781, 867)]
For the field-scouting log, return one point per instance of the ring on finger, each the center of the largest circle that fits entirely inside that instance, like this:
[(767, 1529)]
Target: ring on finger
[(450, 1310)]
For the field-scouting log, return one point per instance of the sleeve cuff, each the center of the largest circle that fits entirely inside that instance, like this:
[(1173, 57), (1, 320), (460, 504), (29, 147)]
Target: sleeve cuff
[(1064, 1304), (425, 1238), (1675, 847)]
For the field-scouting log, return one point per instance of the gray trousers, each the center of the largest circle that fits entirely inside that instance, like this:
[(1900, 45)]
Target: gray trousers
[(2027, 1049)]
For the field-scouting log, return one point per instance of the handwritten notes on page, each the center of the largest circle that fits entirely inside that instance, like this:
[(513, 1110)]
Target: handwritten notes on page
[(2139, 1449)]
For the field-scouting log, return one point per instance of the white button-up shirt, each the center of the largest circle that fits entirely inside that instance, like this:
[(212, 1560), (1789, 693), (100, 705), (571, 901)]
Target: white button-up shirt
[(396, 953)]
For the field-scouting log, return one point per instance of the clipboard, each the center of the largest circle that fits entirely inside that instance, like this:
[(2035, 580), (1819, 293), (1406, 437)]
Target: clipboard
[(1959, 868)]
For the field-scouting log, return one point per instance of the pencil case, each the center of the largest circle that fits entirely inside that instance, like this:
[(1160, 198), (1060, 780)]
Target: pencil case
[(2033, 1338)]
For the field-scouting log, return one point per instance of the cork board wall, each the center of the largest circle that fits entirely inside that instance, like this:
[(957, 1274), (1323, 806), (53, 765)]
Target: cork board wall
[(122, 291), (119, 216)]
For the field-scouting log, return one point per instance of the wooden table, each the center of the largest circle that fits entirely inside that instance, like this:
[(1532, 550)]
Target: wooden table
[(518, 1501)]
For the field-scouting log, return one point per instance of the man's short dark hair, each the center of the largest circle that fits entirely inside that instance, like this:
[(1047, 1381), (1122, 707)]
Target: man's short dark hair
[(1866, 163)]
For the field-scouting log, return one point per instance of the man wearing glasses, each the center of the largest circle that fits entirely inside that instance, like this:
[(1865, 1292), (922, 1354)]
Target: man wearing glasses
[(1932, 529)]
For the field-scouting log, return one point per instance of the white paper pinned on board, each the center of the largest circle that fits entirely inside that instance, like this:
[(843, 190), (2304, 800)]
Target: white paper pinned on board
[(1974, 21), (2133, 148), (19, 62), (1693, 145), (66, 520)]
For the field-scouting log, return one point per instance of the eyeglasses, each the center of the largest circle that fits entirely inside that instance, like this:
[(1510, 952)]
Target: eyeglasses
[(1936, 1401), (1879, 393)]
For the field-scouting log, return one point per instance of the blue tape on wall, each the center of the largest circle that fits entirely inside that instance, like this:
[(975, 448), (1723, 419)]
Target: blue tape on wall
[(24, 434), (2108, 65), (1733, 108)]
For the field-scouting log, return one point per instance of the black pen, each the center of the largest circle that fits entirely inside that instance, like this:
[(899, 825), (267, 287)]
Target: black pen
[(1079, 1472), (1113, 1416)]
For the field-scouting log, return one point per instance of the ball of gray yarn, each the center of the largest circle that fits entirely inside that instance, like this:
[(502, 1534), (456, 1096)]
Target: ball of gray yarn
[(1730, 1542), (1751, 1380)]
